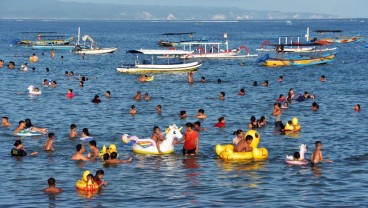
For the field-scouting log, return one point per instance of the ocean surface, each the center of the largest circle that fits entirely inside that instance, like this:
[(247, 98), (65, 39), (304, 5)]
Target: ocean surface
[(173, 180)]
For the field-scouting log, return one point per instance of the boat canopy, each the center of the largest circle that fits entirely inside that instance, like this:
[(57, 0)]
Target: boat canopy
[(159, 52), (183, 33), (37, 32), (328, 31), (298, 44), (201, 43)]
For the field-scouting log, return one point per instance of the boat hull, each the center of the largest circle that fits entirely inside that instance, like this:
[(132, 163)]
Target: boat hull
[(50, 47), (153, 68), (95, 51), (219, 55), (298, 62)]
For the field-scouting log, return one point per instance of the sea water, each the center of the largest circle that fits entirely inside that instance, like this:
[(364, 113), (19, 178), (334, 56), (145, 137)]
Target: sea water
[(172, 180)]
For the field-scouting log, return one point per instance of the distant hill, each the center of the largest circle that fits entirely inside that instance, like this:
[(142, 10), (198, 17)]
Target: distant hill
[(41, 9)]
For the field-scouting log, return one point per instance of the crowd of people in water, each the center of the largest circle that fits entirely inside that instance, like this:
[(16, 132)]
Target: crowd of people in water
[(191, 138)]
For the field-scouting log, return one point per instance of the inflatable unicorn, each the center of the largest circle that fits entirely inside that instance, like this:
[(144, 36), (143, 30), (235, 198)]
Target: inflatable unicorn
[(34, 91), (301, 161), (148, 146)]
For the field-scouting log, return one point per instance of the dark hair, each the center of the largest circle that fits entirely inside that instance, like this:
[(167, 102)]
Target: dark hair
[(201, 111), (222, 93), (248, 137), (73, 126), (281, 95), (189, 125), (47, 69), (51, 181), (108, 92), (71, 90), (252, 118), (113, 155), (255, 83), (159, 106), (6, 118), (182, 112), (17, 143), (106, 156), (221, 119), (96, 96), (78, 147), (317, 143), (155, 127), (237, 132), (296, 155), (92, 142), (133, 106), (219, 81), (86, 132), (51, 134), (356, 105), (66, 72), (197, 123), (99, 172), (20, 122), (242, 90)]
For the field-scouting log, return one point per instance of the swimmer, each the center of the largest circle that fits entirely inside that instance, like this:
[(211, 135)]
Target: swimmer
[(323, 78), (157, 137), (45, 82), (29, 125), (201, 114), (81, 84), (96, 99), (66, 73), (114, 161), (285, 105), (11, 65), (79, 154), (277, 112), (255, 83), (357, 108), (47, 69), (62, 57), (85, 133), (33, 69), (238, 138), (52, 189), (49, 145), (203, 79), (222, 95), (133, 110), (70, 93), (158, 109), (1, 63), (241, 92), (308, 96), (197, 126), (24, 67), (315, 106), (191, 140), (190, 77), (137, 97), (219, 81), (5, 122), (280, 79), (316, 157), (73, 131), (253, 123), (21, 126), (183, 114), (52, 53), (143, 78), (19, 150), (221, 122), (244, 145), (108, 94), (53, 84), (71, 73), (98, 178), (94, 149), (290, 95), (265, 83), (262, 121), (147, 97), (281, 98)]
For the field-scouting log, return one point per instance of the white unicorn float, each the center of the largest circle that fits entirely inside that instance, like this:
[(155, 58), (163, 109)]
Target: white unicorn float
[(34, 91), (148, 145), (301, 161)]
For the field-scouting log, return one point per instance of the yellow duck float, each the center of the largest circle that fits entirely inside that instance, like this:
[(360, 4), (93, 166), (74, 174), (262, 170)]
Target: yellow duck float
[(293, 126), (112, 148), (85, 184), (226, 152)]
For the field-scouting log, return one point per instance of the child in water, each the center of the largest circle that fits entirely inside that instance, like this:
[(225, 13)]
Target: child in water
[(98, 178), (316, 157), (49, 145), (73, 131)]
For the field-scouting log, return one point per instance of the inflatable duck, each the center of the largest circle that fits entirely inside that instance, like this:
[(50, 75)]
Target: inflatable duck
[(292, 125), (148, 146), (301, 160), (226, 151), (104, 150), (86, 185), (34, 91)]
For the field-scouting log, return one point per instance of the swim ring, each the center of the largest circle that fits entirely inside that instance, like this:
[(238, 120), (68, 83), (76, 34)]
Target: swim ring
[(104, 150), (28, 133), (85, 185), (30, 90), (226, 151), (290, 159), (293, 125), (86, 139)]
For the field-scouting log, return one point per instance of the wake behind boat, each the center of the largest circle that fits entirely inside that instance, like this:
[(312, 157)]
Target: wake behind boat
[(160, 61)]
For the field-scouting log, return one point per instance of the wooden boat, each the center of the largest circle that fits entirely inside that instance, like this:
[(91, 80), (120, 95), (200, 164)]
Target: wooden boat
[(337, 39), (91, 48), (314, 58), (213, 51), (151, 66), (168, 43)]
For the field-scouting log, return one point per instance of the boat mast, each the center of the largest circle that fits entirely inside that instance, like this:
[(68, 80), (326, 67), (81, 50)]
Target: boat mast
[(307, 35), (78, 35)]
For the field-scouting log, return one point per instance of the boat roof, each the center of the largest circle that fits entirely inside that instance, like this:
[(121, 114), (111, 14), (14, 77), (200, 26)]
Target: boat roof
[(201, 43), (38, 32), (183, 33), (298, 44), (159, 52), (331, 31)]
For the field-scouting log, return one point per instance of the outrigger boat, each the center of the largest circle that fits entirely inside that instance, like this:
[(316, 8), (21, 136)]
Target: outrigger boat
[(168, 43), (44, 38), (153, 64), (337, 39), (90, 49), (213, 50), (314, 58)]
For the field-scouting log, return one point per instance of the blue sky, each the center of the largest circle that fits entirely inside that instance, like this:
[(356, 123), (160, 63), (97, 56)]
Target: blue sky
[(342, 8)]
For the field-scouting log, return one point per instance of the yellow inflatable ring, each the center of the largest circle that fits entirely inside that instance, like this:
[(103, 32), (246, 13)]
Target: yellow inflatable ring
[(85, 185)]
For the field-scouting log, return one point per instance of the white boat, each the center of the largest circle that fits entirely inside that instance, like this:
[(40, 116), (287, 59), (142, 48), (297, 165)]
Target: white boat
[(92, 49), (213, 50), (151, 66)]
